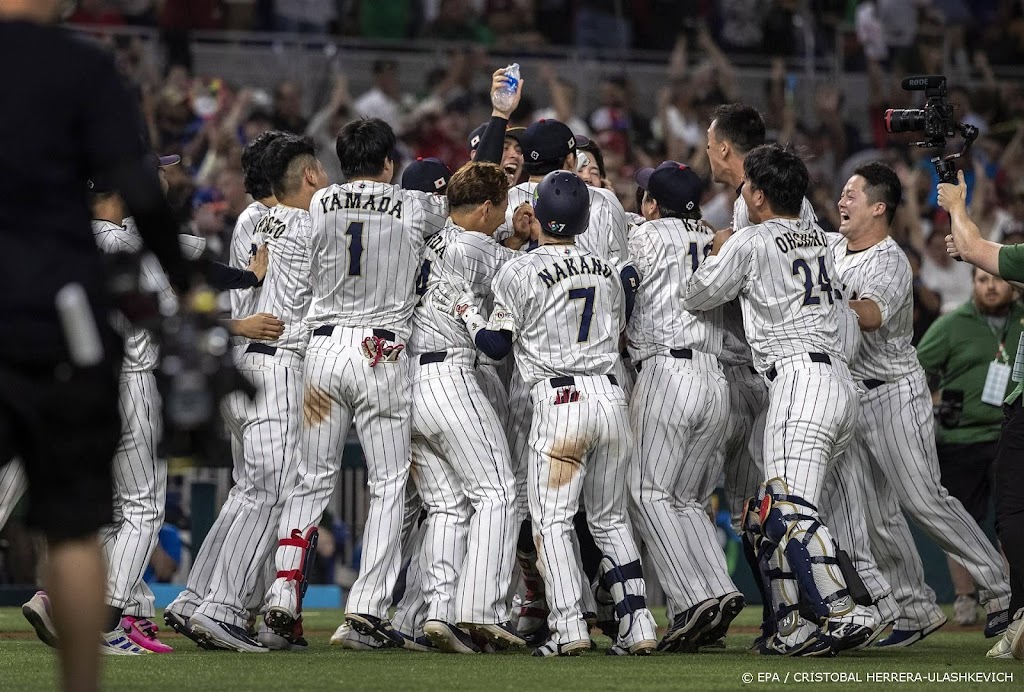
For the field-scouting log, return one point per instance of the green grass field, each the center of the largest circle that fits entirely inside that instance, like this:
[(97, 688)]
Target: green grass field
[(26, 664)]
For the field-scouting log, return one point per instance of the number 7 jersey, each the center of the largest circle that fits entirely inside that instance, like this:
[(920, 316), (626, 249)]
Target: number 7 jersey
[(565, 309), (366, 246)]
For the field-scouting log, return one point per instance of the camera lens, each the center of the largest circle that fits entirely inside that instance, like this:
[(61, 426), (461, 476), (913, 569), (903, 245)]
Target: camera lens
[(904, 120)]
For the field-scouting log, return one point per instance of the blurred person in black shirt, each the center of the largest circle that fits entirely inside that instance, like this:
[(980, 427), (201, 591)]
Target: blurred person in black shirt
[(65, 116)]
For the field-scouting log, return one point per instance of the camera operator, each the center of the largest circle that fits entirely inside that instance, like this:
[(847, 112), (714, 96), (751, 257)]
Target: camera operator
[(64, 117), (1006, 261)]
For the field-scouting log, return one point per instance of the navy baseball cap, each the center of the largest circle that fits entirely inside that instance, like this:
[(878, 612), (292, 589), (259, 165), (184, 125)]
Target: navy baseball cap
[(673, 184), (427, 175), (515, 133), (550, 140)]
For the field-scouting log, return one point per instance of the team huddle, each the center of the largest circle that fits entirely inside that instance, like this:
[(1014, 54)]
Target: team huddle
[(546, 389)]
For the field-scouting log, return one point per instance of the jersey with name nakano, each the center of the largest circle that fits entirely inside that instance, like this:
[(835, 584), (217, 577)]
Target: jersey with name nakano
[(366, 250), (782, 272), (286, 291), (565, 309), (452, 260), (881, 274)]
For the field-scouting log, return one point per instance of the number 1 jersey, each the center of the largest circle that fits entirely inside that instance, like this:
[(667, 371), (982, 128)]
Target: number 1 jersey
[(565, 309), (366, 246)]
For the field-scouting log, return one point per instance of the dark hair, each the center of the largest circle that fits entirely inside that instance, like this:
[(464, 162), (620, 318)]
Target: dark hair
[(595, 152), (537, 168), (780, 175), (257, 183), (475, 183), (881, 185), (380, 66), (364, 146), (666, 213), (740, 125), (285, 159)]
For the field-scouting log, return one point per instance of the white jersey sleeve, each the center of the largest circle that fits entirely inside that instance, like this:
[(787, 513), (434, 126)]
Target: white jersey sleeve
[(881, 274), (665, 253), (435, 211), (286, 291), (243, 247)]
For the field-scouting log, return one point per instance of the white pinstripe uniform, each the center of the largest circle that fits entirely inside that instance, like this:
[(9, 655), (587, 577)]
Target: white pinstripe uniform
[(565, 310), (896, 440), (781, 271), (460, 458), (140, 478), (243, 304), (267, 429), (677, 412), (608, 244), (366, 246)]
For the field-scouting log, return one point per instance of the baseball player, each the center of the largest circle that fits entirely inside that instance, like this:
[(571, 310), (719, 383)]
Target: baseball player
[(269, 427), (460, 458), (781, 271), (678, 409), (243, 307), (895, 437), (562, 309), (367, 239)]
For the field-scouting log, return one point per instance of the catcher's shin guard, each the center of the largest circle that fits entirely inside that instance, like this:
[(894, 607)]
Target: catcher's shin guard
[(755, 547), (792, 523), (306, 543)]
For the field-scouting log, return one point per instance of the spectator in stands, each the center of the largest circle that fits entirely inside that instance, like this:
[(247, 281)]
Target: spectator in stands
[(562, 93), (511, 24), (384, 100), (959, 353), (231, 186), (741, 24), (602, 27), (304, 16), (927, 302), (97, 12), (456, 21), (209, 220), (327, 122), (288, 111), (942, 274), (616, 114)]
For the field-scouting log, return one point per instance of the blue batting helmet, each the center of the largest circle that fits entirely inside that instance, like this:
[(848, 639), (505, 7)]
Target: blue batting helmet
[(561, 203)]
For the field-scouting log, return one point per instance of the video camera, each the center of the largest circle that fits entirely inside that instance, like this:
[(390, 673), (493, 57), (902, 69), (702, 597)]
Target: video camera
[(935, 120)]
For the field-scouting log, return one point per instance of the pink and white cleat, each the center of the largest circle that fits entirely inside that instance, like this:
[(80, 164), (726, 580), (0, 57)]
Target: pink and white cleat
[(142, 632)]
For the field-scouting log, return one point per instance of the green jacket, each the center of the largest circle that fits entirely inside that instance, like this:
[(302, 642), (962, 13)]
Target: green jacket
[(1011, 268), (959, 347)]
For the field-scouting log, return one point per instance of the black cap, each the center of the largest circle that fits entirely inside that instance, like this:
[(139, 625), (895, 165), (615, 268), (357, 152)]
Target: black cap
[(674, 185), (515, 133), (549, 140), (427, 175)]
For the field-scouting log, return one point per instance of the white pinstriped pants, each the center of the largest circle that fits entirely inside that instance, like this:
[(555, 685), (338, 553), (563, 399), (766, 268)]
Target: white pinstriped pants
[(578, 449), (140, 490), (898, 438), (342, 388), (743, 446), (227, 579), (678, 419), (460, 462)]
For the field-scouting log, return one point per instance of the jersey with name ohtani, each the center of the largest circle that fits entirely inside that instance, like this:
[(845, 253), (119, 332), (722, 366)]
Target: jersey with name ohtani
[(605, 235), (367, 245), (286, 291), (782, 272), (735, 348), (881, 274), (243, 247), (565, 309), (452, 259), (665, 252), (140, 351)]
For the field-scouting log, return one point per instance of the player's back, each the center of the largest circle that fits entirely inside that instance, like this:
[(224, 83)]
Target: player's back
[(367, 242), (452, 259), (789, 305), (568, 308), (881, 273), (665, 252), (286, 290)]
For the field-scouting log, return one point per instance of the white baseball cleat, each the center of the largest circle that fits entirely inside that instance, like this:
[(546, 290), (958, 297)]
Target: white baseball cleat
[(225, 636), (449, 638), (348, 638), (117, 643)]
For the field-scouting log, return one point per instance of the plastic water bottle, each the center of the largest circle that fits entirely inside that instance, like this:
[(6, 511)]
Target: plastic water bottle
[(502, 98)]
